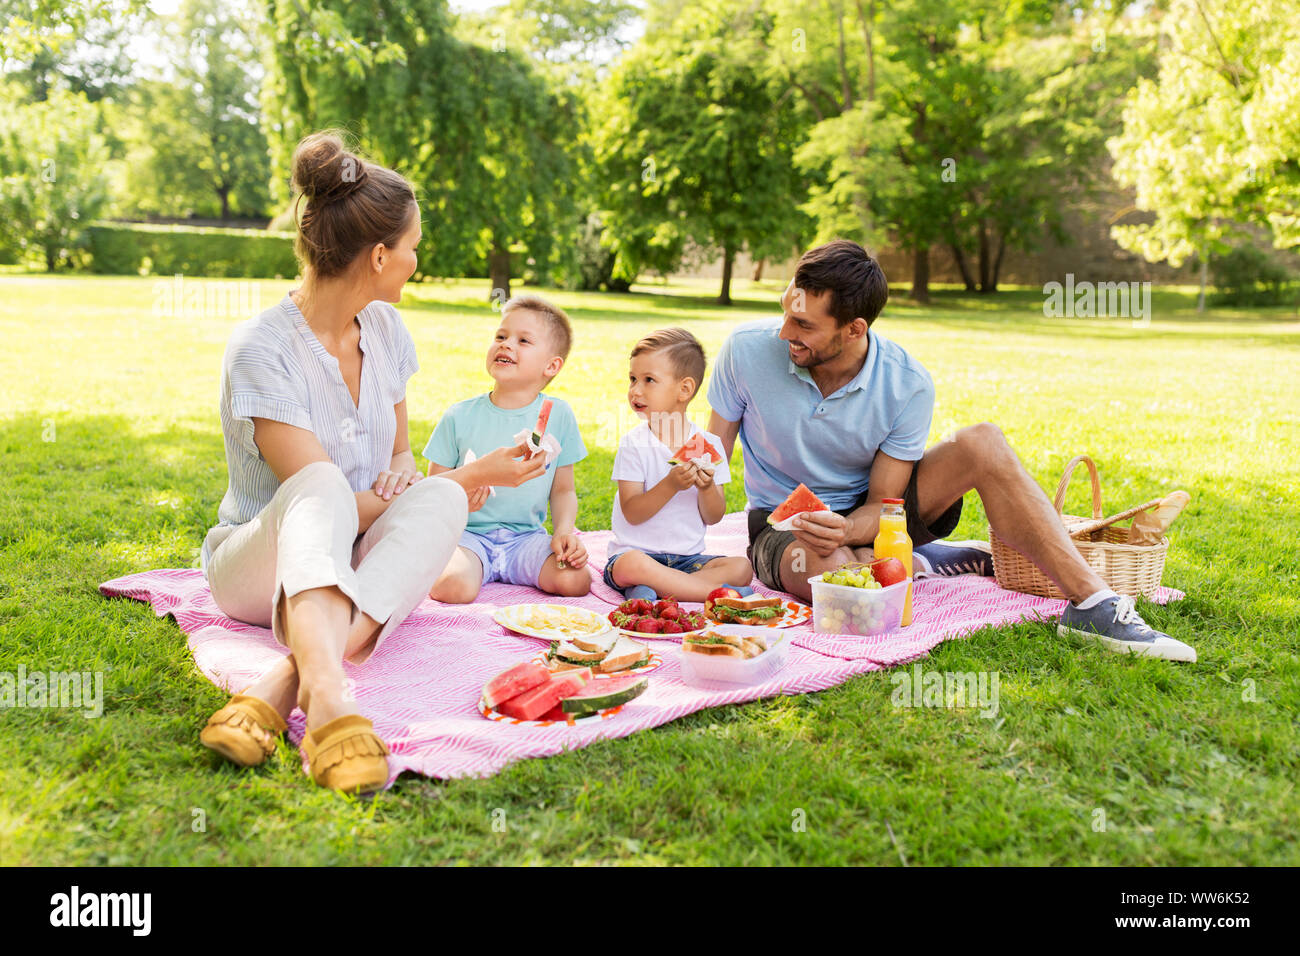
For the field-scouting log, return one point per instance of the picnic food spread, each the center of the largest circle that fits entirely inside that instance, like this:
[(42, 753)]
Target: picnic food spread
[(665, 616)]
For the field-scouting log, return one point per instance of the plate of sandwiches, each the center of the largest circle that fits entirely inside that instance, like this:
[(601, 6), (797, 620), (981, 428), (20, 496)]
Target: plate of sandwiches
[(552, 622), (607, 655), (759, 611)]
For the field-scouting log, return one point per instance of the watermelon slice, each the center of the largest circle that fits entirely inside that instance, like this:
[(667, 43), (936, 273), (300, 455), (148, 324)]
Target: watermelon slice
[(601, 695), (697, 447), (801, 501), (531, 704), (543, 417), (512, 683)]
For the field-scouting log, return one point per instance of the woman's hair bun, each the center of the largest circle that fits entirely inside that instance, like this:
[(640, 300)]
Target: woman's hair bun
[(324, 171)]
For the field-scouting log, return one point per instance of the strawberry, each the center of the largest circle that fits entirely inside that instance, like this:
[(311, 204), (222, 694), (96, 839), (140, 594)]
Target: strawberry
[(695, 620), (672, 612), (642, 606), (662, 605), (628, 607), (648, 625), (672, 627)]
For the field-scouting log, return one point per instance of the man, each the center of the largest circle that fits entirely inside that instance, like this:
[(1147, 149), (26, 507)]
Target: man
[(821, 399)]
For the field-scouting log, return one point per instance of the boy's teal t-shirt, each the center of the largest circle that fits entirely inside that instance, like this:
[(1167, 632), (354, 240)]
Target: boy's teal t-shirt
[(479, 426)]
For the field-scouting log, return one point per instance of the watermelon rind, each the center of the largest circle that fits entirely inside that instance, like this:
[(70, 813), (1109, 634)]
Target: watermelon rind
[(604, 695)]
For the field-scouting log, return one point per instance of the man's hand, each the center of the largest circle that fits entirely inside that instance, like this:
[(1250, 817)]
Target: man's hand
[(821, 531), (568, 550)]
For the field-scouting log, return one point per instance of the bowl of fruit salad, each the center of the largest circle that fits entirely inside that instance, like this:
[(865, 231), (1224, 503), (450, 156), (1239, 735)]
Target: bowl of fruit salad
[(850, 600)]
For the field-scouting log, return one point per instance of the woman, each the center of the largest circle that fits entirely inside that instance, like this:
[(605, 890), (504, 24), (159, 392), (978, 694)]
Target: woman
[(328, 533)]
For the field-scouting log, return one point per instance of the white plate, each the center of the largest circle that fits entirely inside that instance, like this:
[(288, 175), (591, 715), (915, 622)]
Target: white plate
[(515, 618), (792, 615)]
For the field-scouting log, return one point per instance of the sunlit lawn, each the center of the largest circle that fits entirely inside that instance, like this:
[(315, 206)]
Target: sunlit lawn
[(113, 463)]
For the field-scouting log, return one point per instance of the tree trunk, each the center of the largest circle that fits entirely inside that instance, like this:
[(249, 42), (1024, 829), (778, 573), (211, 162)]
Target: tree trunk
[(499, 273), (963, 266), (985, 265), (728, 260), (1205, 271), (997, 261), (921, 274), (51, 258), (225, 204), (758, 270)]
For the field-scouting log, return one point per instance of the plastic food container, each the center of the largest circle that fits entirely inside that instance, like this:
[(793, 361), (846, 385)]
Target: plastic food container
[(707, 670), (838, 609)]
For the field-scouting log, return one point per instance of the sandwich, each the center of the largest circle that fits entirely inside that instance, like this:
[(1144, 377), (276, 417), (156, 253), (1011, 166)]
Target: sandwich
[(565, 656), (625, 654), (717, 644), (754, 609)]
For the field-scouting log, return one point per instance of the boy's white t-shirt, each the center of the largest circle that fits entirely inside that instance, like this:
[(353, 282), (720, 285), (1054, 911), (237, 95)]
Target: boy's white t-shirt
[(677, 527)]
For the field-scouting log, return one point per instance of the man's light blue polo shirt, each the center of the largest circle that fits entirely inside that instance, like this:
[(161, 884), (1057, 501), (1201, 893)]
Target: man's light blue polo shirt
[(792, 434)]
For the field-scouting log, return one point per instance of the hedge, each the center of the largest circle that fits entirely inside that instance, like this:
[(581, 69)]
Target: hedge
[(118, 248)]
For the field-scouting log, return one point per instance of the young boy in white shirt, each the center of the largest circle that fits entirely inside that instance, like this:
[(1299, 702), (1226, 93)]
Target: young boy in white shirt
[(661, 510)]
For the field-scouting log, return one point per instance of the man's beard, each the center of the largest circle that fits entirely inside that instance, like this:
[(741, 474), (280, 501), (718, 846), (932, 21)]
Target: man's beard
[(814, 358)]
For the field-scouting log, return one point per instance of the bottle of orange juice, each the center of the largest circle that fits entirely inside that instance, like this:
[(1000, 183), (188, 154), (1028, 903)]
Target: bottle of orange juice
[(893, 541)]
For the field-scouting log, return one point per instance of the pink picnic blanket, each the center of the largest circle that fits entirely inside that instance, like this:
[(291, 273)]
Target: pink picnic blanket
[(422, 687)]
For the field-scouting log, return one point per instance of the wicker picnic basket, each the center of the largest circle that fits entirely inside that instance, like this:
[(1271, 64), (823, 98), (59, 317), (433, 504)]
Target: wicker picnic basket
[(1131, 569)]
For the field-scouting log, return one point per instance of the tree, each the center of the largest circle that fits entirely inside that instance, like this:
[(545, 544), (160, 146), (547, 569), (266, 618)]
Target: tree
[(697, 147), (479, 131), (52, 183), (196, 145), (1212, 144)]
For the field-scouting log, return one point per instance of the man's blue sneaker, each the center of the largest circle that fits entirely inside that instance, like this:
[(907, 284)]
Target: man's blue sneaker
[(948, 558), (1116, 625)]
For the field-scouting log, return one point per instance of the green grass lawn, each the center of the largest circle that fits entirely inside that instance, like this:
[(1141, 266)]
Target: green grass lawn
[(113, 463)]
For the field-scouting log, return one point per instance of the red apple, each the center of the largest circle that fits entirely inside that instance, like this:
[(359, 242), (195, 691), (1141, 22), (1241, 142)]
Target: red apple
[(888, 571), (719, 593)]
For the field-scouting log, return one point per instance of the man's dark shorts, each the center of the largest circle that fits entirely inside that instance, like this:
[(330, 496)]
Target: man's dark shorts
[(766, 544)]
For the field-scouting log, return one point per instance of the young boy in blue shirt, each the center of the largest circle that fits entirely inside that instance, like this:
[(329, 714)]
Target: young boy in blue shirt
[(505, 538)]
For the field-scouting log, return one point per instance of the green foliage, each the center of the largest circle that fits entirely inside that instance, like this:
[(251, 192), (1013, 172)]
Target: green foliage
[(52, 180), (953, 124), (1212, 143), (127, 248), (484, 137), (195, 143), (695, 143), (1246, 275)]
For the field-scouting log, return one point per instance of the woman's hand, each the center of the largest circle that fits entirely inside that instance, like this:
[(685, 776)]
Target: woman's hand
[(477, 497), (508, 466), (391, 483)]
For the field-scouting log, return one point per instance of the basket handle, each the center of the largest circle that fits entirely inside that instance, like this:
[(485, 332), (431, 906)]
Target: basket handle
[(1059, 502)]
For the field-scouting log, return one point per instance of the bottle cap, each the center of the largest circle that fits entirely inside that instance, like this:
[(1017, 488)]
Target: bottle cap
[(892, 501)]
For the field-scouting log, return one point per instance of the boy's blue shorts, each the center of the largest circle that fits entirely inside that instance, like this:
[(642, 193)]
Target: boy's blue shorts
[(512, 557), (689, 563)]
